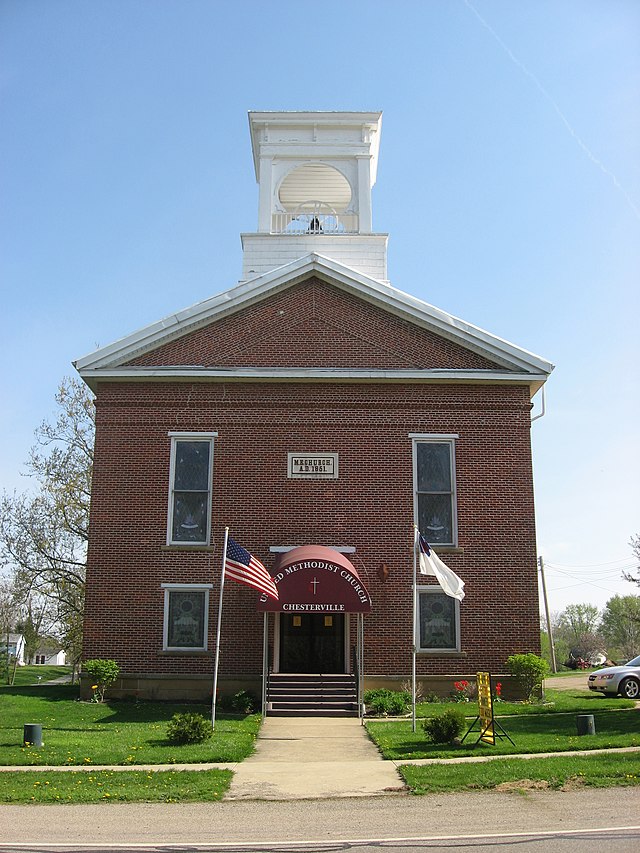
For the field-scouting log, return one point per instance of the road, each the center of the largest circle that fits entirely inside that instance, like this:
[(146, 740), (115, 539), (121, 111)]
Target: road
[(568, 821)]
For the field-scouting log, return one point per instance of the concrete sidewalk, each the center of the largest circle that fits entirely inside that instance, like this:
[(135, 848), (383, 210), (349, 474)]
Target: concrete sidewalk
[(313, 758)]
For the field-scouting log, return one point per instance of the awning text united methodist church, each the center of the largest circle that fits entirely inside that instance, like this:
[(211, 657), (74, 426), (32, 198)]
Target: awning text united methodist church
[(313, 583)]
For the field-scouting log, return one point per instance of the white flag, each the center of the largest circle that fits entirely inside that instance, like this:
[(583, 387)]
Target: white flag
[(431, 564)]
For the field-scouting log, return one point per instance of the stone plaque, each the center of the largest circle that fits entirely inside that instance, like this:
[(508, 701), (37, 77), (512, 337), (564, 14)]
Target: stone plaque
[(312, 466)]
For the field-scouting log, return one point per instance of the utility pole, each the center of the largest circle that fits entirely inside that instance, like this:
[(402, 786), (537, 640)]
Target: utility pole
[(554, 666)]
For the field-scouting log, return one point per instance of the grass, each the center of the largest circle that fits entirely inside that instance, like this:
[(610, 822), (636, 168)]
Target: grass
[(534, 728), (600, 771), (133, 733), (167, 786), (575, 701), (122, 733), (26, 675)]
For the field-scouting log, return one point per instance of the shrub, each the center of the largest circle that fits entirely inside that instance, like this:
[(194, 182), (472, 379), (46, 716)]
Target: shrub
[(104, 672), (445, 727), (242, 702), (530, 671), (407, 687), (188, 728), (385, 703)]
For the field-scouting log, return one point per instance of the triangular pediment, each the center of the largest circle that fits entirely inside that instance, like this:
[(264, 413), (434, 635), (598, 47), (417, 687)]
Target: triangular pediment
[(313, 324), (311, 314)]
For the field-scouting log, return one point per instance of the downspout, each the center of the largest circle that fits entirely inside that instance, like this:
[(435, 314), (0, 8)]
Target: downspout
[(543, 409)]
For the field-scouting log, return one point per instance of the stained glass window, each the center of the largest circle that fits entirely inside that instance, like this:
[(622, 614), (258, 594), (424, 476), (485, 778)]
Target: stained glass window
[(186, 620), (186, 616), (435, 491), (437, 626), (190, 498)]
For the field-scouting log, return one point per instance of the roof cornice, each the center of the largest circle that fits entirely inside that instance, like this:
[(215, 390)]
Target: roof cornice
[(198, 373)]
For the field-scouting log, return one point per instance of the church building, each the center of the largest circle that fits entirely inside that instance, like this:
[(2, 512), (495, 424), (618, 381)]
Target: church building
[(320, 414)]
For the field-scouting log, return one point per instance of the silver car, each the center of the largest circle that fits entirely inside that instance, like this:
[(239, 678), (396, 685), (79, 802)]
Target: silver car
[(623, 679)]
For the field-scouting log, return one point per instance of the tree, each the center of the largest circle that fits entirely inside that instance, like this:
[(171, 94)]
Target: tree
[(579, 626), (36, 621), (579, 619), (6, 619), (621, 626), (635, 547), (561, 647), (43, 535)]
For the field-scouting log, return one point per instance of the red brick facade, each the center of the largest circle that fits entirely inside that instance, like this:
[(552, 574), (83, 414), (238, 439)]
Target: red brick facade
[(369, 507)]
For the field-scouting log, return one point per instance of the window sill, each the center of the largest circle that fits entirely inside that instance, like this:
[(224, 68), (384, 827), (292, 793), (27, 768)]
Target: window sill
[(442, 653), (188, 546), (200, 653), (446, 549)]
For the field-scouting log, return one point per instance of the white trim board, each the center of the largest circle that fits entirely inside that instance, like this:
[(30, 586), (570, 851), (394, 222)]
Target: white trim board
[(310, 374)]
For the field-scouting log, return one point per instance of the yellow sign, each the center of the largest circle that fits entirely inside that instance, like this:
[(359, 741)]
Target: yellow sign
[(485, 708)]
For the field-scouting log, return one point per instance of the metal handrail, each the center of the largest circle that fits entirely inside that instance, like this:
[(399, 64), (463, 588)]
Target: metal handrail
[(355, 667)]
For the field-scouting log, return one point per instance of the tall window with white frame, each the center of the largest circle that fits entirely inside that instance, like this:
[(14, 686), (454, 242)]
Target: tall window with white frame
[(438, 628), (190, 484), (437, 615), (186, 609), (435, 488)]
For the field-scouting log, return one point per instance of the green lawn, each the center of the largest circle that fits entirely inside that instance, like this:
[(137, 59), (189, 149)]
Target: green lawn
[(26, 675), (133, 733), (549, 727), (578, 701), (167, 786), (602, 771), (75, 732)]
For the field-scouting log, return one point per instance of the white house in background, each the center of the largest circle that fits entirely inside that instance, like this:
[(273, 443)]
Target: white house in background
[(15, 643), (50, 655)]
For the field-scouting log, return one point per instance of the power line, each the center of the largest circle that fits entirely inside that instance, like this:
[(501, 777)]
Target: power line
[(592, 565), (590, 575), (587, 583)]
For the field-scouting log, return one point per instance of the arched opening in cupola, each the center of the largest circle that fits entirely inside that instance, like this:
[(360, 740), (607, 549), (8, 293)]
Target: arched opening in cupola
[(315, 198)]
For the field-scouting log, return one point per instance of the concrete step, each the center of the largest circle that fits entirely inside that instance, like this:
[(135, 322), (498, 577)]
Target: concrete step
[(312, 694)]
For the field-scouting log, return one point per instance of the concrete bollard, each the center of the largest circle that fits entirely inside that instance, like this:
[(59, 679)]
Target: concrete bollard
[(585, 724), (32, 734)]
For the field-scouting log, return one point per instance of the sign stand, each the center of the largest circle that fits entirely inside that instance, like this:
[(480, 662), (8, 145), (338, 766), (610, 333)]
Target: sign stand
[(490, 728)]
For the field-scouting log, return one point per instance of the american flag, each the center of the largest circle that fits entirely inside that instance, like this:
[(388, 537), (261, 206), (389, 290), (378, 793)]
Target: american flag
[(243, 567)]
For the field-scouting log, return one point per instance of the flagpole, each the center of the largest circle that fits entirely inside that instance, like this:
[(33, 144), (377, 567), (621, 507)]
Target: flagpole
[(265, 661), (413, 643), (217, 658)]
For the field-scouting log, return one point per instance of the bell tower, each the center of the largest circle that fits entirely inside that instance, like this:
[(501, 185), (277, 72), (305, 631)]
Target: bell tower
[(315, 172)]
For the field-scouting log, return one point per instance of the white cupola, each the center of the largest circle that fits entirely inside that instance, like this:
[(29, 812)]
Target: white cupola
[(315, 171)]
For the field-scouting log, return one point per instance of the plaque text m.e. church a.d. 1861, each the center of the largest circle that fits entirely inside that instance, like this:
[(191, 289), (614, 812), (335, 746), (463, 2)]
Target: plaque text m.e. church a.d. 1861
[(311, 466)]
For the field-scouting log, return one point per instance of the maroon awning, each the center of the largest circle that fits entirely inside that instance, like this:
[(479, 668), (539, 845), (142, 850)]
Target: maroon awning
[(315, 579)]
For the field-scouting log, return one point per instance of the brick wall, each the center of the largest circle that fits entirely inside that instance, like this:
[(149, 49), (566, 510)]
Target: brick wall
[(368, 507), (314, 325)]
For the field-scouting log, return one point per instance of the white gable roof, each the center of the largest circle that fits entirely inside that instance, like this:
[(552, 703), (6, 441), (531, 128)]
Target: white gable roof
[(518, 364)]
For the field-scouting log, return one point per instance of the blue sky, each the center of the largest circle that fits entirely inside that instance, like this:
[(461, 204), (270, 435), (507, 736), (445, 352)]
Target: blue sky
[(509, 182)]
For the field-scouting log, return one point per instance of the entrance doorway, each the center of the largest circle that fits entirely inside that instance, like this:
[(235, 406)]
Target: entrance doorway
[(312, 642)]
